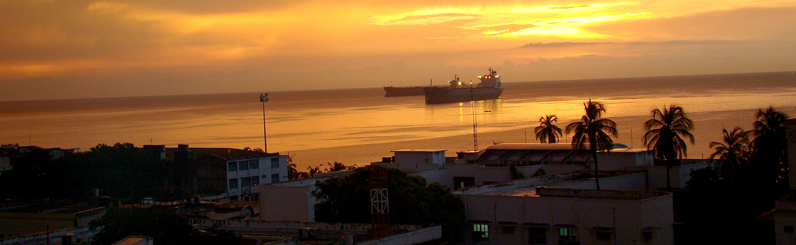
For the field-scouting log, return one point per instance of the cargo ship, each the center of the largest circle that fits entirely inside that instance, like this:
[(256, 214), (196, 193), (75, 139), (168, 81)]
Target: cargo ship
[(489, 88), (405, 91)]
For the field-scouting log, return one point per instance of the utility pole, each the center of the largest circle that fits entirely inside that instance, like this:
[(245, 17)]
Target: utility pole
[(263, 99)]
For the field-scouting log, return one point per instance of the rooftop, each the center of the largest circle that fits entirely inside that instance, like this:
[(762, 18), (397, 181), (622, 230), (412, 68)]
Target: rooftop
[(420, 150)]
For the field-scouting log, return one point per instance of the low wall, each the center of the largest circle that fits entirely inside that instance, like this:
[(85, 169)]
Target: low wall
[(414, 237), (83, 234)]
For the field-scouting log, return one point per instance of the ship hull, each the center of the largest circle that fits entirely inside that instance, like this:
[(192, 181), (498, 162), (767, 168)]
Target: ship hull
[(455, 95), (403, 91)]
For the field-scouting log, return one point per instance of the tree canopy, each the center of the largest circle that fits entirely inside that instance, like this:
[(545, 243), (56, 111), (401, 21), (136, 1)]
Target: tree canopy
[(164, 226), (595, 131), (548, 131), (411, 201)]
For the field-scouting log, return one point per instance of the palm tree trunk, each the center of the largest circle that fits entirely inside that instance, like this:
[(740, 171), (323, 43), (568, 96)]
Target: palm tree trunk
[(593, 148), (668, 168), (596, 173)]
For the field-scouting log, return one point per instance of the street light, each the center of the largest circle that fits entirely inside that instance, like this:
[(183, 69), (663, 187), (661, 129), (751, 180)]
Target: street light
[(264, 98)]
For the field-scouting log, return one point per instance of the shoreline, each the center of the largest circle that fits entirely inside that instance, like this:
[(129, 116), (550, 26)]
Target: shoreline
[(707, 128)]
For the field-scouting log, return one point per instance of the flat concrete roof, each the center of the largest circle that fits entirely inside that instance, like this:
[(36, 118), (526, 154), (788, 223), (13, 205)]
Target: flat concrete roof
[(419, 150)]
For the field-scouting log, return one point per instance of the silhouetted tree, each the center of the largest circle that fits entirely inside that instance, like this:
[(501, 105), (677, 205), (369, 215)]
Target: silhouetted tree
[(770, 145), (593, 130), (338, 166), (665, 133), (547, 131), (731, 152), (412, 201), (164, 226), (293, 173)]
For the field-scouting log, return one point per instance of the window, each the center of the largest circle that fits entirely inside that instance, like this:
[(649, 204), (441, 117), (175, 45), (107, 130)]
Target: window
[(254, 164), (232, 167), (537, 235), (274, 162), (245, 182), (255, 181), (243, 166), (233, 184), (603, 235), (480, 232), (274, 178), (647, 235), (788, 229), (506, 229), (567, 234)]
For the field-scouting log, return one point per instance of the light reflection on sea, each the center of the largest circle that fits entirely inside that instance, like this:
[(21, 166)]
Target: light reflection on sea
[(303, 120)]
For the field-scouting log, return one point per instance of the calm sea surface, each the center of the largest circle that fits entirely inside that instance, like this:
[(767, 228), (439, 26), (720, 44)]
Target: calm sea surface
[(368, 125)]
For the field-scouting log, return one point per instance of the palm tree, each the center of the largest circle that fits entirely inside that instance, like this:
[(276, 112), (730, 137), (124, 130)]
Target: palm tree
[(293, 173), (731, 151), (547, 131), (314, 170), (594, 130), (769, 146), (665, 132)]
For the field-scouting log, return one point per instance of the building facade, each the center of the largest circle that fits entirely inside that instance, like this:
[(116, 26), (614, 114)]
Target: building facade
[(244, 174)]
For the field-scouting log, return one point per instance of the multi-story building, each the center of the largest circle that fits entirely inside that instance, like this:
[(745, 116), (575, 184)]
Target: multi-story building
[(244, 174)]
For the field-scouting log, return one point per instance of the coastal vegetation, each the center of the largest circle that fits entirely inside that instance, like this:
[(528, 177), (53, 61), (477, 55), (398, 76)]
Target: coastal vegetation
[(548, 131), (120, 170), (294, 174), (412, 201), (665, 133), (163, 225), (736, 195), (594, 130)]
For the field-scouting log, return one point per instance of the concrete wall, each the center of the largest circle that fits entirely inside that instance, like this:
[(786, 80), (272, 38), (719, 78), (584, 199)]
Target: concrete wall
[(83, 234), (428, 157), (294, 203), (626, 218), (679, 174), (16, 224), (624, 160), (290, 228), (414, 237), (135, 240), (633, 181), (441, 176), (5, 164)]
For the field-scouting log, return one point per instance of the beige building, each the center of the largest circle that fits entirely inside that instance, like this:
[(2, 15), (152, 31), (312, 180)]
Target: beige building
[(532, 193), (785, 209)]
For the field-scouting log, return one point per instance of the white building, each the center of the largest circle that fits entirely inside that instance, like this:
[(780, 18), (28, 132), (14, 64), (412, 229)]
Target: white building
[(565, 207), (244, 174), (551, 197)]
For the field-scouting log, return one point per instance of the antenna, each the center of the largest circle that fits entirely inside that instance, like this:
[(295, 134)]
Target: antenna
[(379, 203)]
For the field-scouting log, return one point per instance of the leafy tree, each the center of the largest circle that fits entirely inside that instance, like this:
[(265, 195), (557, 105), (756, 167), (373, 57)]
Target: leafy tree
[(164, 226), (665, 133), (314, 170), (731, 152), (593, 130), (770, 145), (411, 201), (338, 166), (547, 131)]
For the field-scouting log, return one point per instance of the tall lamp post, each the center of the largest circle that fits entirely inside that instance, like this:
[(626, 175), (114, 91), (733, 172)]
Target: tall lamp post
[(263, 99)]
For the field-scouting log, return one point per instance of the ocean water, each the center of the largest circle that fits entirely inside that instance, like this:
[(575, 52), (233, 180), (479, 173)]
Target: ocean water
[(359, 126)]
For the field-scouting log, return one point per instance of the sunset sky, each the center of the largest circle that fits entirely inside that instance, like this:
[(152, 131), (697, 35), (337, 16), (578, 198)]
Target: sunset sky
[(52, 49)]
